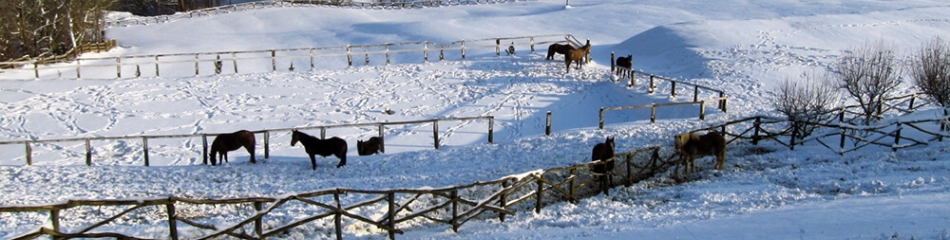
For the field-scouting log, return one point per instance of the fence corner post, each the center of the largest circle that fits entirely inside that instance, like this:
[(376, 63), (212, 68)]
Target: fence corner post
[(601, 118), (172, 224)]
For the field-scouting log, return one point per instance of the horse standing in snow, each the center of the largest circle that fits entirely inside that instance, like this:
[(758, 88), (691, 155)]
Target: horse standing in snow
[(315, 146), (227, 142), (691, 145), (603, 152)]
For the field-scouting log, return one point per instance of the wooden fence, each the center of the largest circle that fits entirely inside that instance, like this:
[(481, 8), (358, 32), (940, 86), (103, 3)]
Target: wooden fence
[(402, 208), (265, 132), (227, 62)]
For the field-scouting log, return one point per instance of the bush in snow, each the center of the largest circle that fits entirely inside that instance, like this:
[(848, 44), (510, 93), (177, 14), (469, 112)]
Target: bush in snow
[(807, 101), (869, 74)]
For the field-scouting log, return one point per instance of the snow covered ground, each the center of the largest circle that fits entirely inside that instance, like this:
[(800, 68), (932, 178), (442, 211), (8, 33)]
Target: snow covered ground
[(742, 47)]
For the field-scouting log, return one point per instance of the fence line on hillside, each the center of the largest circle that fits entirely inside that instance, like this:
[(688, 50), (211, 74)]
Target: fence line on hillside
[(142, 20), (265, 132), (453, 206), (351, 52)]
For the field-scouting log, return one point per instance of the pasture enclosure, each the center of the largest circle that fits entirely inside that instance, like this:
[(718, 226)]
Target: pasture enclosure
[(841, 135), (390, 211), (86, 144), (295, 59)]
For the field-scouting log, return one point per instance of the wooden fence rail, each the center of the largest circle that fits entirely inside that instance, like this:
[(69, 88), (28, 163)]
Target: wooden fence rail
[(653, 108), (265, 132), (150, 65), (453, 206)]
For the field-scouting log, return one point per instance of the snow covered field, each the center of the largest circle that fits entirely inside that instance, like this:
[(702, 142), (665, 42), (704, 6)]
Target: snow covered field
[(741, 47)]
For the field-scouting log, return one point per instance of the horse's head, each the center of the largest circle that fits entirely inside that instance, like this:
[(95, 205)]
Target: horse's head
[(293, 137), (610, 142), (680, 140)]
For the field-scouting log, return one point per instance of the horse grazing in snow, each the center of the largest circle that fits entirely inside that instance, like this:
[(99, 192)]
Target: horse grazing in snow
[(227, 142), (315, 146), (691, 145), (369, 147)]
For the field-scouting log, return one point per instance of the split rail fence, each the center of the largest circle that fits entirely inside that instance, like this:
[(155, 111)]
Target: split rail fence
[(841, 135), (392, 211), (28, 144), (279, 59)]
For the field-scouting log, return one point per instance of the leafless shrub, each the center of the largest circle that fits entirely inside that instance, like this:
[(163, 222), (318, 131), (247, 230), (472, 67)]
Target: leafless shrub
[(930, 71), (869, 74), (809, 100)]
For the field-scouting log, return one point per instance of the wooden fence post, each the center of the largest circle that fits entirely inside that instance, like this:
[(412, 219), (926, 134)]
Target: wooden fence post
[(234, 62), (601, 118), (503, 200), (258, 223), (491, 129), (463, 49), (145, 149), (695, 93), (547, 125), (382, 139), (571, 185), (311, 59), (652, 85), (652, 112), (338, 215), (425, 52), (118, 67), (755, 130), (387, 54), (540, 193), (532, 44), (273, 59), (633, 78), (323, 133), (791, 142), (196, 64), (204, 149), (78, 67), (156, 66), (172, 224), (897, 137), (54, 220), (349, 56), (722, 102), (435, 133), (88, 153), (392, 214), (266, 145), (455, 210), (673, 89), (29, 154), (702, 110), (613, 66)]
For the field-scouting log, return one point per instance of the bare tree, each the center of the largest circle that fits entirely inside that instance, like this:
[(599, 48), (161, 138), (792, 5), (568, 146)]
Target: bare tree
[(37, 28), (869, 74), (807, 101), (930, 71)]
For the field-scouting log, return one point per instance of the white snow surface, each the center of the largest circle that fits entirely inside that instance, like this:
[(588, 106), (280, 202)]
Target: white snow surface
[(743, 47)]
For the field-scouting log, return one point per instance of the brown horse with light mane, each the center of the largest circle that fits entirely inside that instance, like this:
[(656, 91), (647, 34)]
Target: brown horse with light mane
[(577, 56), (225, 143), (691, 145)]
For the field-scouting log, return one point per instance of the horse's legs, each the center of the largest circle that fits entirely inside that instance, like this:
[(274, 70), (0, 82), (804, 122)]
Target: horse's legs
[(342, 159), (313, 162), (720, 159), (250, 150)]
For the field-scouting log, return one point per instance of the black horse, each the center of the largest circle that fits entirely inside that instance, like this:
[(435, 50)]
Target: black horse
[(225, 143), (624, 66), (369, 147), (603, 152), (315, 146)]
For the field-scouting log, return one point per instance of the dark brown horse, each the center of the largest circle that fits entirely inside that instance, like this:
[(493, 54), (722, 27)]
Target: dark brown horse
[(691, 145), (577, 56), (369, 147), (624, 65), (315, 146), (558, 48), (225, 143), (602, 152)]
